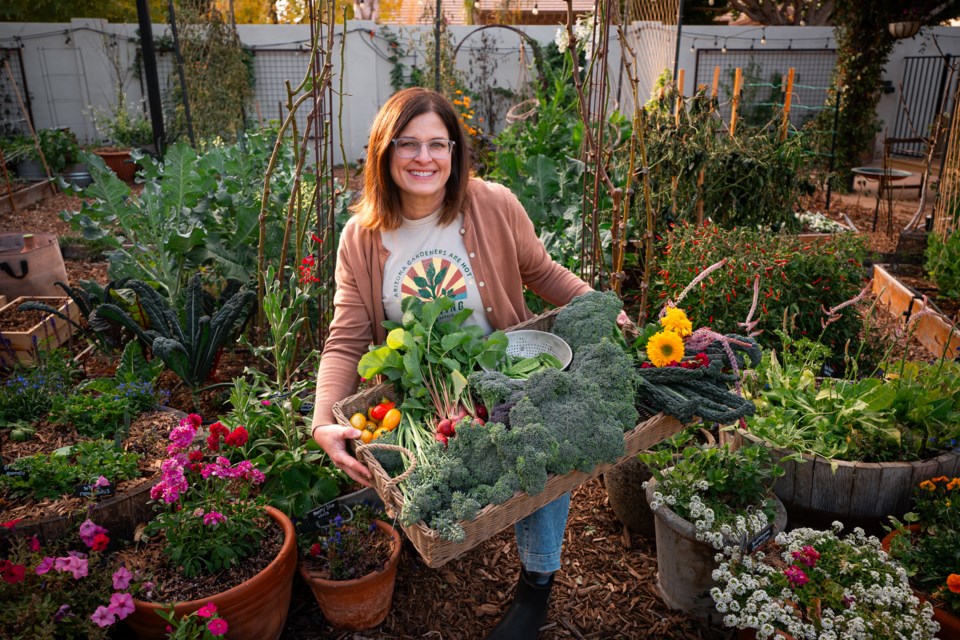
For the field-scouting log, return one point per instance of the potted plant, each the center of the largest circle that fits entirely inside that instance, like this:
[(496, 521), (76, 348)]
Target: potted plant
[(927, 543), (706, 499), (211, 531), (123, 132), (60, 152), (66, 590), (816, 584), (351, 566)]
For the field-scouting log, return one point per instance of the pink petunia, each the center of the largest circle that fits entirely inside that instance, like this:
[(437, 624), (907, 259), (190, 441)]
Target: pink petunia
[(103, 617), (45, 565), (121, 604), (121, 578), (101, 482), (89, 530), (207, 610), (33, 544), (217, 627), (72, 564), (14, 573)]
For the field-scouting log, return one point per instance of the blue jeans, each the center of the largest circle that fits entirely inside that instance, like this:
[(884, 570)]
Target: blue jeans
[(540, 536)]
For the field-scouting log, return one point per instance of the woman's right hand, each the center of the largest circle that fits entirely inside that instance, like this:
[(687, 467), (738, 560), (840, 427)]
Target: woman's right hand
[(332, 438)]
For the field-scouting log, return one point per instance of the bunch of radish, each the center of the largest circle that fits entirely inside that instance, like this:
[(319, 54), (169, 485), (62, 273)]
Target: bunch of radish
[(447, 425)]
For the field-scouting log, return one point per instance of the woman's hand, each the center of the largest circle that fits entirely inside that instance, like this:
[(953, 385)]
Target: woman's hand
[(332, 438)]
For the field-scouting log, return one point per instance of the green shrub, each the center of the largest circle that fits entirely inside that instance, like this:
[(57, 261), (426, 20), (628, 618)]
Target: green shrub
[(797, 279), (943, 263)]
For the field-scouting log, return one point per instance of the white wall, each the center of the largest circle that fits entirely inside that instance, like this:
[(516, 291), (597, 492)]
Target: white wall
[(67, 78)]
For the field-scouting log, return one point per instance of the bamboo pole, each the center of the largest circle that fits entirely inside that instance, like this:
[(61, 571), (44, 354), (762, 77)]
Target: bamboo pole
[(714, 91), (944, 216), (26, 117), (786, 105), (715, 86), (679, 103), (737, 84)]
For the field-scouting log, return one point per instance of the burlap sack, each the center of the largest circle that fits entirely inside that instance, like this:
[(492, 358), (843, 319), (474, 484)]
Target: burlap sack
[(30, 264)]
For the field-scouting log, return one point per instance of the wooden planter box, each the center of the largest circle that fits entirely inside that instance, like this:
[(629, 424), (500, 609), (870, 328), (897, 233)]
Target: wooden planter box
[(935, 332), (49, 333)]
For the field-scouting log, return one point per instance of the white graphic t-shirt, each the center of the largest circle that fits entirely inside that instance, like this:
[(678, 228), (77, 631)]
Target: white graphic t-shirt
[(427, 260)]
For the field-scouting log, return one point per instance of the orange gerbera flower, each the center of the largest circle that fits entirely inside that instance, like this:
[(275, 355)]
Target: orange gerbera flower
[(953, 582)]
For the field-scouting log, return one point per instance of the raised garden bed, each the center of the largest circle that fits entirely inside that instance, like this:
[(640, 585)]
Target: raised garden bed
[(24, 197), (934, 330), (22, 333)]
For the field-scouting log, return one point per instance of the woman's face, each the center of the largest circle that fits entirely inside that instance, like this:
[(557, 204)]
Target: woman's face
[(423, 179)]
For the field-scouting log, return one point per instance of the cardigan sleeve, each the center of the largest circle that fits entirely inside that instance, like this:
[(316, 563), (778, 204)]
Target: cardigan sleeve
[(351, 331), (539, 272)]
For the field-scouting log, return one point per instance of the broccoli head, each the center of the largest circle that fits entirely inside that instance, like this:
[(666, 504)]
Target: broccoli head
[(588, 318)]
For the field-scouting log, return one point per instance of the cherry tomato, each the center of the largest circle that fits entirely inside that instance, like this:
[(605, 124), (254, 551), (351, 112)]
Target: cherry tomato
[(391, 419), (358, 420), (378, 412)]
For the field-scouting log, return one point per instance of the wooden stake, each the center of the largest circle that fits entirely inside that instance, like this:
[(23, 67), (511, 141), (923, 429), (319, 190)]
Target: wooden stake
[(26, 116), (679, 104), (6, 177), (786, 105), (715, 90), (737, 83)]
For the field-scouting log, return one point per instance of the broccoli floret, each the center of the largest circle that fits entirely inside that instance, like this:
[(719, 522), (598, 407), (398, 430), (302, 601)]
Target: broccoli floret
[(588, 318), (494, 388), (476, 453), (524, 450), (613, 370)]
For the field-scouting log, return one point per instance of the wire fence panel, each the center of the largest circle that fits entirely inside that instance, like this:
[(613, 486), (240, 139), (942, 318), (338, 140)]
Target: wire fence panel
[(13, 121), (764, 81)]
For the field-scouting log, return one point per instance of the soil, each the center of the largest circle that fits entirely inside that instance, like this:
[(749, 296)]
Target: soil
[(915, 278), (12, 319), (375, 550)]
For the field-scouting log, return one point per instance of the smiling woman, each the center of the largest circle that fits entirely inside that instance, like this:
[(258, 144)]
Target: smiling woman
[(423, 228)]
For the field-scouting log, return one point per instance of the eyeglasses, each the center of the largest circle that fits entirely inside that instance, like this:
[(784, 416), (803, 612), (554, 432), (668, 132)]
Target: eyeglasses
[(410, 147)]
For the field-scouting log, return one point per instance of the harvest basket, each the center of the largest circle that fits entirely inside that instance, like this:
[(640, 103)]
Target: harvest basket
[(492, 519)]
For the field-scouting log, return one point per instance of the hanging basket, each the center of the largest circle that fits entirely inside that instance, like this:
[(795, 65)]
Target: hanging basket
[(905, 29)]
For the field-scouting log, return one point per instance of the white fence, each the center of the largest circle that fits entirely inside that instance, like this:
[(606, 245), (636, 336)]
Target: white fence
[(67, 72)]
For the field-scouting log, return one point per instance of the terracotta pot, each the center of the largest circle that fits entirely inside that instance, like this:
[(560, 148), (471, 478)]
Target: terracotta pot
[(119, 162), (356, 605), (256, 608), (949, 623)]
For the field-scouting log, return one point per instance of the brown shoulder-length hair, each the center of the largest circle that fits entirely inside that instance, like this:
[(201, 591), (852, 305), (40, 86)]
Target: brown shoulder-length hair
[(378, 206)]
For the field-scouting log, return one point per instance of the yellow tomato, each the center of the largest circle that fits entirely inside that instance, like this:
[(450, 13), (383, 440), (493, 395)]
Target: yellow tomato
[(367, 436), (379, 432), (391, 420), (358, 420)]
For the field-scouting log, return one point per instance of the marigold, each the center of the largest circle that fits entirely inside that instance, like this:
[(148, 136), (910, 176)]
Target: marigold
[(677, 321), (954, 484), (664, 347), (953, 582), (929, 486)]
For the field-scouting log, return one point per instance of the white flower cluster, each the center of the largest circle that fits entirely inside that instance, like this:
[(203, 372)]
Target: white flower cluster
[(877, 599), (816, 221), (582, 30)]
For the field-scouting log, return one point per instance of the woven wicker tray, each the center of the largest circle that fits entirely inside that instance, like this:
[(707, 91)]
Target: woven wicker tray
[(494, 518)]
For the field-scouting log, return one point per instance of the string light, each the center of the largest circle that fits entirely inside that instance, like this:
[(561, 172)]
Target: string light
[(763, 37), (714, 42), (790, 45), (692, 48), (66, 33), (724, 49), (536, 9)]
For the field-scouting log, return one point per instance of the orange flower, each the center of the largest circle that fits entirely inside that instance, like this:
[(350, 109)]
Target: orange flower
[(941, 479), (954, 484), (929, 486), (953, 582)]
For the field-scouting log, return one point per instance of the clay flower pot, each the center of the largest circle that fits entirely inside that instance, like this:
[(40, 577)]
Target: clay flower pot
[(363, 603), (256, 608), (949, 623), (120, 162)]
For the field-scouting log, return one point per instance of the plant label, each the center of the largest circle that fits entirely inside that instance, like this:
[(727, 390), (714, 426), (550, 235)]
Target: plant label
[(752, 545), (93, 491), (11, 471), (322, 516)]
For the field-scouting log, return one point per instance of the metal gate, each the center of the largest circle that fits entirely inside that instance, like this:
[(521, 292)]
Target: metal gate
[(926, 80)]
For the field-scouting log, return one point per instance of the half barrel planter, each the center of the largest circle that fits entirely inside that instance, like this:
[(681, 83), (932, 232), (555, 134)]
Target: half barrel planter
[(254, 609), (869, 491)]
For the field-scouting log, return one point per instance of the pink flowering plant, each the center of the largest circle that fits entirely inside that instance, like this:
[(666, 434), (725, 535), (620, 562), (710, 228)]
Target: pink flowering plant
[(66, 590), (203, 624), (817, 584), (210, 513)]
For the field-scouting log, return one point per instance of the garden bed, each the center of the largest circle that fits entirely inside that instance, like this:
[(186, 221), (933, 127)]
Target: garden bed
[(936, 331)]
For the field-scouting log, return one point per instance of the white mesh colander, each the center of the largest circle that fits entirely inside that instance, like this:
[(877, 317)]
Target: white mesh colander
[(525, 343)]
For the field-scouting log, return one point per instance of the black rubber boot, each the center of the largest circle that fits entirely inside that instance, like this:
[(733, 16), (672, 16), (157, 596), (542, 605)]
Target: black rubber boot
[(527, 612)]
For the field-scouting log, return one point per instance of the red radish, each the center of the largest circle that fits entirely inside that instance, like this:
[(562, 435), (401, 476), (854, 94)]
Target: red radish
[(481, 411), (479, 421), (446, 428), (460, 413), (442, 439)]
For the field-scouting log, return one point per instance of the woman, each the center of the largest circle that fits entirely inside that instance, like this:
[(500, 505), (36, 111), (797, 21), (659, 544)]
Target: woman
[(420, 206)]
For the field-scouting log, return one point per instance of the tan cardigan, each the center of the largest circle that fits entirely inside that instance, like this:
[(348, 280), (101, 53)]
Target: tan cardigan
[(505, 255)]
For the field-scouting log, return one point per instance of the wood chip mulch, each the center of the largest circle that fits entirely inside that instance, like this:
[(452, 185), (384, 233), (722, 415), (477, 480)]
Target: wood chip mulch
[(605, 589)]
